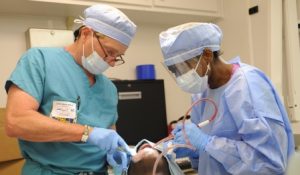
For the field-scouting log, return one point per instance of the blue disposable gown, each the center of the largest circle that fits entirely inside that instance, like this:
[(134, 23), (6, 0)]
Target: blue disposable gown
[(251, 133), (49, 74)]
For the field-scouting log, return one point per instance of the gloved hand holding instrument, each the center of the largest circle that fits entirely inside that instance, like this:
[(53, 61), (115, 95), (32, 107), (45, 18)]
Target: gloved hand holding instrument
[(118, 153), (191, 134), (197, 138), (187, 139)]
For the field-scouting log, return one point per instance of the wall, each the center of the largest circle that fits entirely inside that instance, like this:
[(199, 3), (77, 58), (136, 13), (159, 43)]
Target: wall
[(276, 45), (235, 26), (291, 59), (256, 38), (12, 43), (144, 50), (266, 39)]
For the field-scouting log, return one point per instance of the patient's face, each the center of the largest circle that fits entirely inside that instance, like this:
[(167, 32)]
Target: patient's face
[(143, 162)]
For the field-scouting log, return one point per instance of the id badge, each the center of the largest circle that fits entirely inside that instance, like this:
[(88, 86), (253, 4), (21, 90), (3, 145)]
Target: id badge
[(64, 111)]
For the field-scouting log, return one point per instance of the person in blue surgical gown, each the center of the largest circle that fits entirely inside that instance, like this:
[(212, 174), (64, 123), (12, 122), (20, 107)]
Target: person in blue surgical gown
[(62, 108), (251, 133)]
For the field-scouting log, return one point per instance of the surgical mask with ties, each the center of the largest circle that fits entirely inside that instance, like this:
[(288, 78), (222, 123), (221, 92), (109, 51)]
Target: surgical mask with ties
[(94, 63), (191, 82)]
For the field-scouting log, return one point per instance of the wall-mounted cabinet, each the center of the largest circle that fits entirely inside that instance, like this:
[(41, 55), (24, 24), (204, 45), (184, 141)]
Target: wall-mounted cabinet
[(131, 2), (158, 11), (189, 6), (197, 5)]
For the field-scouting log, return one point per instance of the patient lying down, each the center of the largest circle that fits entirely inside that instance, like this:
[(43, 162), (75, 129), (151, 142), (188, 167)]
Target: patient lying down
[(142, 163), (145, 155)]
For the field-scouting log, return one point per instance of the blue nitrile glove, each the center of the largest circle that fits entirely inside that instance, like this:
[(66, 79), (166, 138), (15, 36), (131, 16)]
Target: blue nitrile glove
[(119, 160), (196, 136), (180, 152), (186, 152), (194, 162), (110, 141)]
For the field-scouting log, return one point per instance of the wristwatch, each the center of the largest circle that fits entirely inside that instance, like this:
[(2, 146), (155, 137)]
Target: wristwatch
[(85, 134)]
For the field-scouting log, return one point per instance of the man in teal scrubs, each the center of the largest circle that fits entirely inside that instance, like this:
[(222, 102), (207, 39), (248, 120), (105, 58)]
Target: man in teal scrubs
[(62, 108)]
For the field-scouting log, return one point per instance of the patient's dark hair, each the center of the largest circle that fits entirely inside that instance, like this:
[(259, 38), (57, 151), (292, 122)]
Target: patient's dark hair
[(146, 164)]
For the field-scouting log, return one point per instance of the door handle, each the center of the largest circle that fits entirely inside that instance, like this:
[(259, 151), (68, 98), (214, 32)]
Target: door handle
[(130, 95)]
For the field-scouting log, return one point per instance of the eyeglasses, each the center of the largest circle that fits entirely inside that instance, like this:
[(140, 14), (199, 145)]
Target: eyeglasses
[(118, 59)]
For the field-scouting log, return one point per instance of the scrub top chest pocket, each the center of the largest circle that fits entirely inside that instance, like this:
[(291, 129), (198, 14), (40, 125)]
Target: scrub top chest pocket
[(64, 111)]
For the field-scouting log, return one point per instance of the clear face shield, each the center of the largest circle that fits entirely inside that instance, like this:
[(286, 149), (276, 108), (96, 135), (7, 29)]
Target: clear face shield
[(186, 76), (179, 69)]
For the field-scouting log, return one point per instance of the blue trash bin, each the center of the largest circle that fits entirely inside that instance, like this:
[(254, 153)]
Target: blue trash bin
[(145, 72)]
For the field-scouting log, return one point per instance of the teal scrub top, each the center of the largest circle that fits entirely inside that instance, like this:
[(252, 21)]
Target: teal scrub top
[(50, 74)]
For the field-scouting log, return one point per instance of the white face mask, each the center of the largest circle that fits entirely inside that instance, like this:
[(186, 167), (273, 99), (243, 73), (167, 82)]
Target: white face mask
[(191, 82), (94, 63)]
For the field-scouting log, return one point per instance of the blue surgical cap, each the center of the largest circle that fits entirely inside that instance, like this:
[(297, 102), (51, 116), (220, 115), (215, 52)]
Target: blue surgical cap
[(186, 41), (109, 21)]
